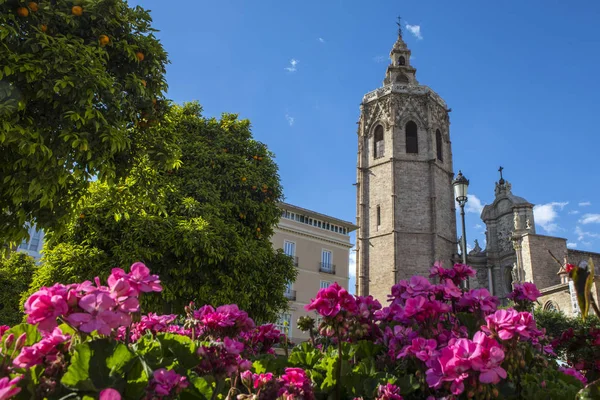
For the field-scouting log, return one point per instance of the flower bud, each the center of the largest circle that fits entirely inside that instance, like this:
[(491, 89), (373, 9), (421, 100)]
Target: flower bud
[(470, 394), (10, 339), (20, 341), (495, 392), (246, 378), (522, 363)]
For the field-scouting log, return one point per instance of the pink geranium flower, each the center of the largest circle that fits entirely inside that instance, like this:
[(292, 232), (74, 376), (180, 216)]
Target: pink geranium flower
[(573, 372), (9, 388), (38, 352), (388, 392), (45, 305), (525, 291), (261, 380), (98, 316), (166, 383), (110, 394), (488, 360), (421, 348), (479, 299), (141, 280), (327, 303)]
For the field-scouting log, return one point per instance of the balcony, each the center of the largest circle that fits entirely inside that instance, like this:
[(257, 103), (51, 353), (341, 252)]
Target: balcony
[(290, 294), (295, 259), (327, 268)]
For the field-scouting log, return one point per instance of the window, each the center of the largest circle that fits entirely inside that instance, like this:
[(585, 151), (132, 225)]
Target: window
[(325, 284), (326, 261), (284, 324), (378, 215), (289, 248), (412, 140), (438, 145), (401, 60), (401, 78), (378, 142), (319, 224)]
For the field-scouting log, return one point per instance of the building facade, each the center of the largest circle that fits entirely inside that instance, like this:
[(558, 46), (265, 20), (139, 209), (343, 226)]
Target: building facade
[(405, 203), (406, 209), (33, 247), (320, 247)]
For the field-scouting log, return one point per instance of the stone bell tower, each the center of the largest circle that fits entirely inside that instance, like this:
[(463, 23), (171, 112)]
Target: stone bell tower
[(405, 202)]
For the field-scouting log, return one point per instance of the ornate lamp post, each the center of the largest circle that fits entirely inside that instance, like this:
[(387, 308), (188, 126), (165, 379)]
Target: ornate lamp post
[(461, 184)]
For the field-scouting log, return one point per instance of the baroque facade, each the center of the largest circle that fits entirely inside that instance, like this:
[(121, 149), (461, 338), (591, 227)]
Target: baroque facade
[(406, 213)]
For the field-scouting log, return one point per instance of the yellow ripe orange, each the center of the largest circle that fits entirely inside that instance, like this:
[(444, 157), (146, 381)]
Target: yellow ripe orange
[(33, 6), (22, 12), (43, 28), (81, 216), (243, 179), (259, 158), (255, 157), (257, 229), (77, 11), (143, 83), (140, 56), (103, 40), (253, 187)]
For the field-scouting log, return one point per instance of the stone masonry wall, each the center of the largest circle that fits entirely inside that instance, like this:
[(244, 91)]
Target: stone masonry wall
[(539, 266)]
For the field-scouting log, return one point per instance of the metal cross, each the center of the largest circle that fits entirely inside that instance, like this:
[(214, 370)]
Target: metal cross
[(399, 23), (500, 170)]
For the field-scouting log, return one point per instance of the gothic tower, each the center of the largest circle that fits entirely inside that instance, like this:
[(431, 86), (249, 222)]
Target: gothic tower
[(405, 202)]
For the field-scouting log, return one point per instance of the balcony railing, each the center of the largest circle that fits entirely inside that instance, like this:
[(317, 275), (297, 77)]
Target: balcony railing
[(294, 260), (327, 268), (290, 294)]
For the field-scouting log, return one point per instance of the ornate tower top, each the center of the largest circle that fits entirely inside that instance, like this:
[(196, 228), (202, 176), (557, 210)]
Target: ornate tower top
[(400, 71)]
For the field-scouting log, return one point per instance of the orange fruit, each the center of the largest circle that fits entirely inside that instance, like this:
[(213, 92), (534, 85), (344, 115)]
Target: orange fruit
[(44, 28), (225, 150), (104, 40), (255, 157), (253, 187), (81, 216), (140, 56), (243, 179), (259, 158), (77, 11), (242, 216), (22, 12), (143, 83), (33, 6), (257, 229)]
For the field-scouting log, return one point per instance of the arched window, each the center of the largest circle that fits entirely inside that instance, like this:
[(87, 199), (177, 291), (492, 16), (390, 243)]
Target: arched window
[(401, 60), (378, 142), (401, 78), (438, 145), (550, 306), (412, 140), (378, 215)]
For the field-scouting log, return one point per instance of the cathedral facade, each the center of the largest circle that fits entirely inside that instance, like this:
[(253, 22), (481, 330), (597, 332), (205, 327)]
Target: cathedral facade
[(406, 211)]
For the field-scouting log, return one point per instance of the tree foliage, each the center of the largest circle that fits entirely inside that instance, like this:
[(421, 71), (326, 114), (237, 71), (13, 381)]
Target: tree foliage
[(204, 227), (16, 272), (81, 87)]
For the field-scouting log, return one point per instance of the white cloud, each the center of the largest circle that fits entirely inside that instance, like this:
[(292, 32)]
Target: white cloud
[(571, 245), (473, 205), (478, 226), (573, 212), (289, 119), (321, 40), (292, 67), (581, 234), (352, 263), (415, 30), (590, 219), (585, 204), (546, 214), (379, 59)]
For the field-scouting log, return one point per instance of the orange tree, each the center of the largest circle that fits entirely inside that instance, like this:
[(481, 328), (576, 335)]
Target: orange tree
[(204, 227), (81, 82)]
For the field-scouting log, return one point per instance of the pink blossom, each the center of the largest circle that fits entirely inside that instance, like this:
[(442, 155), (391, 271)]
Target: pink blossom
[(573, 372), (47, 347), (479, 299), (330, 301), (524, 292), (462, 272), (226, 320), (45, 305), (415, 286), (8, 388), (488, 360), (98, 316), (448, 290), (141, 280), (110, 394), (261, 380), (502, 322), (441, 272), (295, 384), (166, 383), (421, 348), (388, 392), (3, 329)]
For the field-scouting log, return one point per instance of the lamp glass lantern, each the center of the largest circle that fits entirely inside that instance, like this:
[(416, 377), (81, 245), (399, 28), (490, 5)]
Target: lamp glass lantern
[(461, 185)]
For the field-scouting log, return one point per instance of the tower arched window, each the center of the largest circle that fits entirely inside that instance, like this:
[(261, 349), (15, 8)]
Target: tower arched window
[(378, 143), (401, 60), (438, 145), (412, 139)]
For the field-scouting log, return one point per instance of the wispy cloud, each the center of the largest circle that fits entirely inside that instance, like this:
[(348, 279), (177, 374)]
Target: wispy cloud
[(546, 214), (581, 234), (380, 59), (585, 203), (573, 212), (474, 205), (352, 263), (321, 40), (292, 67), (571, 245), (415, 30), (590, 219), (478, 226), (289, 119)]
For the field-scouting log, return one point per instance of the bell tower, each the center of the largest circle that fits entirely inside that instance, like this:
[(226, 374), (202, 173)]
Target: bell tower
[(405, 202)]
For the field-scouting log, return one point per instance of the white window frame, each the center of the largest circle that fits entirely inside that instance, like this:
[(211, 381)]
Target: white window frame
[(325, 284), (293, 246), (330, 261)]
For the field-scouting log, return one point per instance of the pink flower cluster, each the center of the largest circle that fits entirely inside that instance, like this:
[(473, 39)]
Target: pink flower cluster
[(295, 385), (261, 339), (222, 358), (457, 274), (524, 292), (574, 373), (92, 308), (388, 392), (332, 300), (9, 388), (165, 383), (479, 300), (44, 351), (154, 324), (227, 320), (506, 324), (463, 357)]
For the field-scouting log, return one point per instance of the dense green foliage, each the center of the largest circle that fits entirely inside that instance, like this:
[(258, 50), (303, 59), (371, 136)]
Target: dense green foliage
[(16, 272), (204, 227), (81, 88)]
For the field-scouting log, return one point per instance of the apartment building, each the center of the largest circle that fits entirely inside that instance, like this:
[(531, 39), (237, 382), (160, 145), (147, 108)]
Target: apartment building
[(320, 246), (34, 246)]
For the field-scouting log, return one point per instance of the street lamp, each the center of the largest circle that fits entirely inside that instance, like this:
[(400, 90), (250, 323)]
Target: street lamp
[(461, 184)]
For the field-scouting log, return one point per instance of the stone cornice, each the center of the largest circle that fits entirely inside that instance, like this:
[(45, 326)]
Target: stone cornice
[(408, 89), (312, 235)]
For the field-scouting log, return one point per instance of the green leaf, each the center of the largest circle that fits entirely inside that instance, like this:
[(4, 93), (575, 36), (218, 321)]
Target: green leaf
[(590, 392), (33, 335), (180, 347)]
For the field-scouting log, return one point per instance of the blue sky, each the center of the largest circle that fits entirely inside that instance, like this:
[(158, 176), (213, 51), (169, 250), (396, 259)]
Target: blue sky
[(520, 76)]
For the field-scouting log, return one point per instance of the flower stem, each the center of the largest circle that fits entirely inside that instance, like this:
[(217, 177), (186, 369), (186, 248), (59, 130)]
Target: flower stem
[(338, 377), (217, 390)]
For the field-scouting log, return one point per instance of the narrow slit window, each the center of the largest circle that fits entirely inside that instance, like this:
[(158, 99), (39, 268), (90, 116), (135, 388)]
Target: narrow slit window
[(412, 138)]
